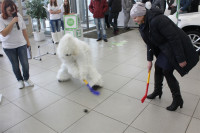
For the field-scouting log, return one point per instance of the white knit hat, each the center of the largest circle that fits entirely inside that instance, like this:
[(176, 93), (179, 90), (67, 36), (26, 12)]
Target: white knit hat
[(138, 9)]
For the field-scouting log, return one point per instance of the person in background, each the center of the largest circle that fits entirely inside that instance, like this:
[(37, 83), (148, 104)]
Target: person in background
[(65, 10), (115, 6), (184, 5), (194, 6), (160, 4), (172, 6), (127, 5), (55, 20), (106, 17), (15, 42), (98, 9), (171, 46)]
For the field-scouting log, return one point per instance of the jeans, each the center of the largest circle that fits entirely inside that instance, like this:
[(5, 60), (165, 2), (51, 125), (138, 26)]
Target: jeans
[(100, 23), (62, 24), (55, 25), (15, 55), (115, 17)]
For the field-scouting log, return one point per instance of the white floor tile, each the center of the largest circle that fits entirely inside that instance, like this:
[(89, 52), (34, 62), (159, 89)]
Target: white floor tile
[(114, 82), (194, 126), (132, 130), (156, 119), (10, 115), (61, 114), (30, 125), (44, 78), (36, 101), (96, 123), (13, 92), (63, 88), (121, 108), (84, 97), (127, 70), (136, 89), (197, 111)]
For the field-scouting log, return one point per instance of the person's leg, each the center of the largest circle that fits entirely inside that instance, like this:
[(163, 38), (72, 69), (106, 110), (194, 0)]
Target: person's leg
[(106, 20), (115, 21), (102, 23), (158, 83), (110, 17), (13, 57), (53, 31), (59, 33), (126, 19), (175, 90), (53, 26), (96, 21), (62, 24), (58, 25), (22, 52)]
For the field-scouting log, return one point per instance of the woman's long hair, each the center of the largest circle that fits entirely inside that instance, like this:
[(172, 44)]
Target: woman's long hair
[(53, 4), (6, 4), (66, 8)]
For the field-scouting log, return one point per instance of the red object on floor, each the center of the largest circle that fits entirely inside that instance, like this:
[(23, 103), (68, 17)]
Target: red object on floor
[(145, 96)]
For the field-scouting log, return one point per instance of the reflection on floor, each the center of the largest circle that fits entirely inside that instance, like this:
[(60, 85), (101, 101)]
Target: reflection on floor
[(51, 107)]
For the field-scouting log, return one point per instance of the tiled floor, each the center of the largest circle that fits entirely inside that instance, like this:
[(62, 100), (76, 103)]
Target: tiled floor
[(51, 107)]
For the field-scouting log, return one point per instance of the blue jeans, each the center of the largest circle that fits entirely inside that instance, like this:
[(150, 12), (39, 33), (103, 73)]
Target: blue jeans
[(15, 55), (55, 25), (62, 24), (115, 17), (100, 23)]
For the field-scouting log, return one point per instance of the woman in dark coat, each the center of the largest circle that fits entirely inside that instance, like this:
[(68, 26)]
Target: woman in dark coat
[(171, 46)]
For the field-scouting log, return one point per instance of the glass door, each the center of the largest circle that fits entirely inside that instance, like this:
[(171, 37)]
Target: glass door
[(87, 20)]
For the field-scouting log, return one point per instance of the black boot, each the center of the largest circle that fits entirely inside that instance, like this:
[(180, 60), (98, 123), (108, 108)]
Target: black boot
[(177, 101), (155, 94), (158, 79), (175, 90)]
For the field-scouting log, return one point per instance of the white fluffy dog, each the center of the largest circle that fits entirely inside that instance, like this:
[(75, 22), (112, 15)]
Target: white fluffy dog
[(76, 61)]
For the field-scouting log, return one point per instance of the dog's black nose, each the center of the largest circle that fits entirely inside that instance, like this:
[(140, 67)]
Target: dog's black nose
[(68, 54)]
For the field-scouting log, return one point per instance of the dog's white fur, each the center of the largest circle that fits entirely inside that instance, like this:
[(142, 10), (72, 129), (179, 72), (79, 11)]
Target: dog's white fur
[(78, 63)]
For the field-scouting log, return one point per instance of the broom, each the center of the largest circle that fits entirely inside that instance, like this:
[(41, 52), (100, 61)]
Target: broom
[(145, 96), (91, 89)]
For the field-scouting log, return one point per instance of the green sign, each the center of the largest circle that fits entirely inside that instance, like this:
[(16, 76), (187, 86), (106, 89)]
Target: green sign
[(70, 22)]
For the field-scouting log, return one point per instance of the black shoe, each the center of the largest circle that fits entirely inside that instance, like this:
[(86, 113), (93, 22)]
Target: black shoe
[(1, 55), (154, 95), (177, 101), (105, 40), (96, 87), (99, 39)]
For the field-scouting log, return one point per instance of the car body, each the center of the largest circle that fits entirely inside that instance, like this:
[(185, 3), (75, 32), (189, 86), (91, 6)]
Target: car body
[(190, 24)]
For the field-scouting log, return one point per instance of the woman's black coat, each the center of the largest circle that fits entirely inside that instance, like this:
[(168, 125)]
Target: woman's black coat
[(162, 35)]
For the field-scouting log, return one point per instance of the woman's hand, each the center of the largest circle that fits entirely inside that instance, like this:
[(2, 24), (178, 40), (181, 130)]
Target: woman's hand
[(14, 20), (149, 66), (183, 64), (28, 44)]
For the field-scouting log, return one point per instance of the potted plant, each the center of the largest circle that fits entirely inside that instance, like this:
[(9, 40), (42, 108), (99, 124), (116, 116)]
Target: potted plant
[(36, 10)]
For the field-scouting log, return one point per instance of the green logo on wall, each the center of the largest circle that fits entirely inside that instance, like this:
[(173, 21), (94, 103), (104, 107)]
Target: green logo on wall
[(70, 22)]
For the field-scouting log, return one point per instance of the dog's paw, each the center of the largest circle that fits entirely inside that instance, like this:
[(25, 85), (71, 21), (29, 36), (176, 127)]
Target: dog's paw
[(96, 87), (62, 80)]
